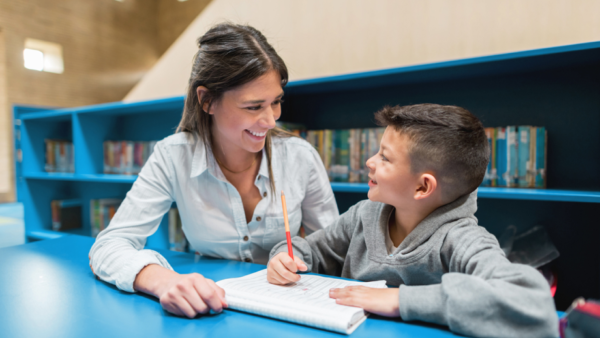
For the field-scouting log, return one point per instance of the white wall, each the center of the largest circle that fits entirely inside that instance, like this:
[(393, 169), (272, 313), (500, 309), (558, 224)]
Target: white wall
[(326, 37)]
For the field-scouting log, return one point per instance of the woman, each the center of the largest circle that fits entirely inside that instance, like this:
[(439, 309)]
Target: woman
[(223, 168)]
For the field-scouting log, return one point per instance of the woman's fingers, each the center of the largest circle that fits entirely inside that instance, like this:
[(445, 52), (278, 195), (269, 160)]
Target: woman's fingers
[(209, 295), (220, 292)]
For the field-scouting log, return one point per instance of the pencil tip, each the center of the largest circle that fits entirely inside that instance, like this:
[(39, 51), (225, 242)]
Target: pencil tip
[(282, 194)]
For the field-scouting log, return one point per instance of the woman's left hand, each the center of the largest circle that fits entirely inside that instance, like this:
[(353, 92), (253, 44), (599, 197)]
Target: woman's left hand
[(383, 302)]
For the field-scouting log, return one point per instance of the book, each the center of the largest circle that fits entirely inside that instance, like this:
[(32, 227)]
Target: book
[(66, 214), (511, 156), (340, 170), (59, 156), (540, 156), (489, 179), (501, 158), (305, 302), (101, 213), (523, 155), (126, 157)]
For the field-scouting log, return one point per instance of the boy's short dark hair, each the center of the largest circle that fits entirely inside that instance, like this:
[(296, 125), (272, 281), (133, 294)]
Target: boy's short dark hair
[(448, 140)]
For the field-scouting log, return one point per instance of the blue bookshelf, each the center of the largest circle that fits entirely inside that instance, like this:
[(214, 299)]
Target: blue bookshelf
[(555, 87)]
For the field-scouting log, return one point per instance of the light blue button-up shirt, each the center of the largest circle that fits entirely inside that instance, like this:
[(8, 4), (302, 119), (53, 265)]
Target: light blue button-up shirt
[(179, 170)]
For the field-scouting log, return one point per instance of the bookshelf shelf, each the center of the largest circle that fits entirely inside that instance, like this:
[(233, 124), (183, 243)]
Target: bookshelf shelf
[(552, 87), (504, 193), (102, 178)]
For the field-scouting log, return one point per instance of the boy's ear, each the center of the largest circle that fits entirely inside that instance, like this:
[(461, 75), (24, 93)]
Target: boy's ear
[(201, 91), (427, 185)]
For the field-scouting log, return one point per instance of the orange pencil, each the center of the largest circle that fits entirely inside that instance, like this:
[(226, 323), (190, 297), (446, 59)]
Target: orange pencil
[(287, 226)]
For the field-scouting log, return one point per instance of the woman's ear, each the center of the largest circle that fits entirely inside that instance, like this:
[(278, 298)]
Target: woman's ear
[(427, 186), (202, 91)]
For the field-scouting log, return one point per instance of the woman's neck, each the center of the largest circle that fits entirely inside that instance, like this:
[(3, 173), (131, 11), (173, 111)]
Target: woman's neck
[(231, 157)]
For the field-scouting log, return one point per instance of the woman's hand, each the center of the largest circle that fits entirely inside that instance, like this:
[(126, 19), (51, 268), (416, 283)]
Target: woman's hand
[(282, 269), (383, 302), (181, 295)]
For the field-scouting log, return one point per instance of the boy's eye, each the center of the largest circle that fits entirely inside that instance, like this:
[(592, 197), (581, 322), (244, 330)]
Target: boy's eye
[(253, 107), (276, 102), (383, 158)]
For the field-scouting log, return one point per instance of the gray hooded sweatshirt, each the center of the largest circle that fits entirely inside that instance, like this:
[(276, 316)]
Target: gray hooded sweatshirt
[(450, 270)]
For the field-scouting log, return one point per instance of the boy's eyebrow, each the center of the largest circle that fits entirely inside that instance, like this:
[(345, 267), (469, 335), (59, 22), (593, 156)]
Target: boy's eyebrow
[(261, 101)]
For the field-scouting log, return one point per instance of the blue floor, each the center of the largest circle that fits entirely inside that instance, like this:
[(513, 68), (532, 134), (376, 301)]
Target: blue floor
[(12, 228)]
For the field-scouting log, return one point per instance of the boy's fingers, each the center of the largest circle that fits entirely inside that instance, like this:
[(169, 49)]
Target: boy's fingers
[(289, 263), (300, 264), (285, 273)]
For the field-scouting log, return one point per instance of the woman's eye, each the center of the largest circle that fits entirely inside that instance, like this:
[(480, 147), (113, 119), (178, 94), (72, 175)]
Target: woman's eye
[(253, 108), (276, 102)]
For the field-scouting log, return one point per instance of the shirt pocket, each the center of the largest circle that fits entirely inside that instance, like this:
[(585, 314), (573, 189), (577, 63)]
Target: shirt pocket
[(275, 229)]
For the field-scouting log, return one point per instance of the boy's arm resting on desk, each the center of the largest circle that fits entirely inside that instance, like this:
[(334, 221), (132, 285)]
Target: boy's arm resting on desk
[(325, 250), (483, 294), (118, 256)]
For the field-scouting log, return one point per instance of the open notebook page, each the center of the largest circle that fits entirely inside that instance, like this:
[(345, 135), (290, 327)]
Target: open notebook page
[(305, 302)]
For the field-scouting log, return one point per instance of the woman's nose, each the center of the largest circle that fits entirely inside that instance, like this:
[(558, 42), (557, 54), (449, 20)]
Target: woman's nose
[(269, 118)]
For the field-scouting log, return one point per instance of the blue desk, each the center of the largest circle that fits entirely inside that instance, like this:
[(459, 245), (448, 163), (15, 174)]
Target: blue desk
[(48, 290)]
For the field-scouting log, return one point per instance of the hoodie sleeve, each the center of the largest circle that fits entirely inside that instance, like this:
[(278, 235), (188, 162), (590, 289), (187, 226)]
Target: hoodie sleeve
[(324, 251), (483, 294)]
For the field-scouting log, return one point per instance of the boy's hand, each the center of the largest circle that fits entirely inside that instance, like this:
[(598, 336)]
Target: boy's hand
[(383, 302), (282, 269)]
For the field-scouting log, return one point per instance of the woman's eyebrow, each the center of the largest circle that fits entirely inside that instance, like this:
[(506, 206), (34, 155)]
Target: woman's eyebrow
[(260, 101)]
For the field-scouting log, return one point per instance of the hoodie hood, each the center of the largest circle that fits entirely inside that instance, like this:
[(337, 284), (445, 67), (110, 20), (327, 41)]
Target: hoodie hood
[(425, 236)]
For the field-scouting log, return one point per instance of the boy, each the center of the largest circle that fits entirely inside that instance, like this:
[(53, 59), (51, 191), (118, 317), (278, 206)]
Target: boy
[(418, 230)]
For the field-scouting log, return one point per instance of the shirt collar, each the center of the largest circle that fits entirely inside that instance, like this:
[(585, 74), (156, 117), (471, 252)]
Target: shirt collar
[(201, 162)]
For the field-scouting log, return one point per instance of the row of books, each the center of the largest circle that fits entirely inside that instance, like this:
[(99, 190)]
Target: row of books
[(518, 157), (126, 157), (344, 152), (59, 156), (101, 213)]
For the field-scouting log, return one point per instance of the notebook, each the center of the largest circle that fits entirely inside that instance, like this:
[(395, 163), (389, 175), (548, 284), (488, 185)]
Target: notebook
[(306, 302)]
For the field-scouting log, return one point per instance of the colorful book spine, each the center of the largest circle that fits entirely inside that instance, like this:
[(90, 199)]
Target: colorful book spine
[(512, 156), (102, 212), (524, 152), (489, 179), (540, 155), (126, 157), (501, 158), (364, 155), (342, 156), (59, 156)]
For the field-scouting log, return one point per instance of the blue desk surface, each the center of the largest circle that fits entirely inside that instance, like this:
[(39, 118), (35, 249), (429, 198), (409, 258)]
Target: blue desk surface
[(48, 290)]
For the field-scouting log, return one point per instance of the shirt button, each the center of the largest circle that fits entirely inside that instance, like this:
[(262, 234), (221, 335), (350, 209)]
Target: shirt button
[(265, 194), (258, 219), (247, 260), (245, 238)]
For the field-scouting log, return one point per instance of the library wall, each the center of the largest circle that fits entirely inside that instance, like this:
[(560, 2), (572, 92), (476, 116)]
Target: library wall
[(173, 18), (107, 47), (321, 38)]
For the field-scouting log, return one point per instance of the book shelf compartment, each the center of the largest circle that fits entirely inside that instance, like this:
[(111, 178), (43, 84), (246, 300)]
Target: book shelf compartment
[(31, 137)]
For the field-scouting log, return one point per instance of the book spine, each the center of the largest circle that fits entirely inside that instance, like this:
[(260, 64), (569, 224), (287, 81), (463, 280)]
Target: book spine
[(49, 167), (532, 158), (502, 158), (540, 154), (343, 159), (487, 180), (55, 210), (512, 156), (364, 155), (523, 148)]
